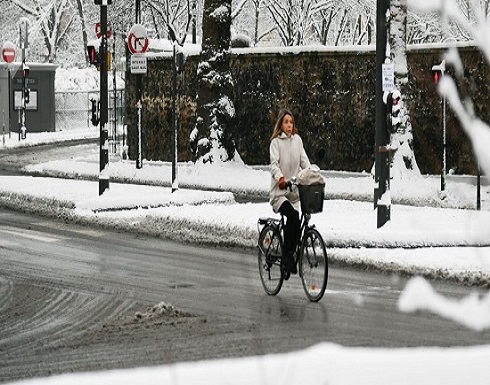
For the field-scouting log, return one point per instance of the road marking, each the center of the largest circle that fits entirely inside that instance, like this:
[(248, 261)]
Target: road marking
[(30, 234)]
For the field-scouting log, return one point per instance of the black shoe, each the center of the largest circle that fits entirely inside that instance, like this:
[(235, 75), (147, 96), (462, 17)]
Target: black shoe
[(285, 269), (294, 269), (291, 264)]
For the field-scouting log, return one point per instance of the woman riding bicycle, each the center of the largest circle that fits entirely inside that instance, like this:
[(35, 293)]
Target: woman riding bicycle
[(288, 157)]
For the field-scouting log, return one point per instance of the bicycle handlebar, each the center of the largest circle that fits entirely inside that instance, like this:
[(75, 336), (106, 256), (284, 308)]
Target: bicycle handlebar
[(291, 182)]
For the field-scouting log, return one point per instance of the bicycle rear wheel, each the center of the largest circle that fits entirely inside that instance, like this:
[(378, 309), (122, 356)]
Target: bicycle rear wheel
[(313, 265), (270, 253)]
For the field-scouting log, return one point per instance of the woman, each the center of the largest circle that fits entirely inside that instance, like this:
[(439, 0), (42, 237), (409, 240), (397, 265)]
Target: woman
[(288, 158)]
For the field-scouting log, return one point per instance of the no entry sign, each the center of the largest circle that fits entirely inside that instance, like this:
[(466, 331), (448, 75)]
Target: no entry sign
[(8, 52), (98, 32)]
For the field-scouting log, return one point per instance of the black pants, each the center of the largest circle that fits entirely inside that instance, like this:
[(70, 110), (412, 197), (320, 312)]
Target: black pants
[(291, 228)]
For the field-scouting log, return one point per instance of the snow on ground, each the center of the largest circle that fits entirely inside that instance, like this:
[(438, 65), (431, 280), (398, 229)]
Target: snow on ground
[(425, 238)]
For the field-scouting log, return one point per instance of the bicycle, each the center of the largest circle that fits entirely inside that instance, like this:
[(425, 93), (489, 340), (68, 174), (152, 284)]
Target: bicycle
[(310, 253)]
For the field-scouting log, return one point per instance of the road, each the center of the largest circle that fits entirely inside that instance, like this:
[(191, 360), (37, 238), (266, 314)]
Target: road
[(75, 298)]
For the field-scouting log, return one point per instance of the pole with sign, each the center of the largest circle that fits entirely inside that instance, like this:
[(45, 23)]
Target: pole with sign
[(137, 45), (8, 56), (23, 37), (104, 135), (382, 199)]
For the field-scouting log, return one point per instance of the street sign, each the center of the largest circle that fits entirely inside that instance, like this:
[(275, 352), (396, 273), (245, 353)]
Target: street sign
[(138, 64), (8, 52), (99, 34), (388, 74), (137, 39)]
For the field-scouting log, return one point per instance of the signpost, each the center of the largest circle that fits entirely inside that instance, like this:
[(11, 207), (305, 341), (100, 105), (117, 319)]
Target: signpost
[(104, 102), (23, 37), (137, 46), (8, 56), (382, 199)]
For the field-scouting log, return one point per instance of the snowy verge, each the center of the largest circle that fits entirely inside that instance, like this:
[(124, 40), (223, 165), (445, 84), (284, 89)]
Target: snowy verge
[(339, 365), (254, 183)]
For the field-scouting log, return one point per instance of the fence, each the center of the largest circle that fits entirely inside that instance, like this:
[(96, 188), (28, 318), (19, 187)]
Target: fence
[(74, 111)]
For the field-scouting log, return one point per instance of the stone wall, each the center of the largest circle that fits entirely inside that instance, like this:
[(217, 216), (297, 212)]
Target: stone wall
[(331, 94)]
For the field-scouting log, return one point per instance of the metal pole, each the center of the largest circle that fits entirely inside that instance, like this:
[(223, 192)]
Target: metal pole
[(444, 145), (23, 42), (139, 160), (194, 23), (478, 187), (382, 158), (114, 92), (104, 136), (139, 86), (174, 122)]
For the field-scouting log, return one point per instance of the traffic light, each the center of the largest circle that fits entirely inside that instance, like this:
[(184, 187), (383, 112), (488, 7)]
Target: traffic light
[(392, 100), (438, 72), (25, 82), (436, 76), (93, 54), (25, 72), (95, 111)]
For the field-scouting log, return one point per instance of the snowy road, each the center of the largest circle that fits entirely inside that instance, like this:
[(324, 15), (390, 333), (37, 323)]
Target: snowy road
[(74, 298)]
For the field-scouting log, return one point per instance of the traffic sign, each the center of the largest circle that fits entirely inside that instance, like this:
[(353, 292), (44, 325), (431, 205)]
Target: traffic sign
[(137, 39), (138, 64), (99, 33), (388, 73), (8, 52)]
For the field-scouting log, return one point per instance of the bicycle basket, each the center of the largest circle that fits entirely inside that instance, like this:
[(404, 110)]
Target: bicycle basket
[(311, 197)]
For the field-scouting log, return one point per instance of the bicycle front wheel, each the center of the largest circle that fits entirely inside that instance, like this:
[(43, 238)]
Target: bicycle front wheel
[(270, 254), (313, 265)]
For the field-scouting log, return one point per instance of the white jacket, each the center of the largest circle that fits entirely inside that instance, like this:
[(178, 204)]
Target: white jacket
[(288, 158)]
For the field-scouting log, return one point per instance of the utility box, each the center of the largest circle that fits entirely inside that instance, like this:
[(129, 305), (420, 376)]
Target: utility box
[(40, 111)]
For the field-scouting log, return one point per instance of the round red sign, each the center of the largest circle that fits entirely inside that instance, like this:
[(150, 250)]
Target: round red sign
[(98, 32), (8, 52)]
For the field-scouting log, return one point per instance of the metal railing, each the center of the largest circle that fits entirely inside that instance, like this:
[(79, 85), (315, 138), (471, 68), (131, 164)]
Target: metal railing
[(74, 111)]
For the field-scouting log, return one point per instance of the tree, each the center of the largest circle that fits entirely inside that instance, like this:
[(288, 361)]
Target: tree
[(53, 19), (176, 17), (212, 137), (293, 18), (404, 162)]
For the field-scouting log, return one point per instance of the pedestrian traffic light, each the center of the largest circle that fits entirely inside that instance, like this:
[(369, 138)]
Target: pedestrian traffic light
[(395, 110), (95, 111), (393, 106), (93, 54), (25, 71), (25, 82), (438, 72)]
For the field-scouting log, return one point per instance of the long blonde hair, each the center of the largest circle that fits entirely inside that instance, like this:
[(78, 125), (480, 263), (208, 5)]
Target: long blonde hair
[(278, 126)]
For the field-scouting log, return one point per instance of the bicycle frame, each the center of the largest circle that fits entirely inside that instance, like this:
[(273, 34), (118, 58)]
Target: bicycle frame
[(279, 223)]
